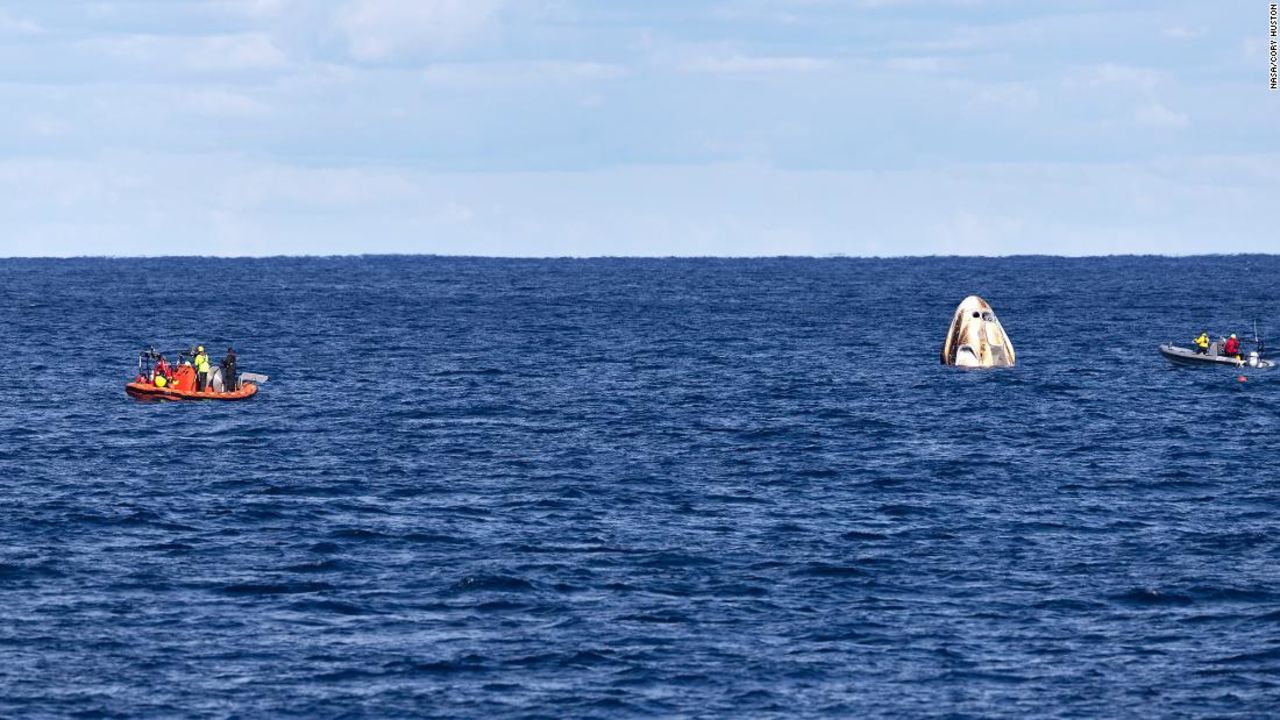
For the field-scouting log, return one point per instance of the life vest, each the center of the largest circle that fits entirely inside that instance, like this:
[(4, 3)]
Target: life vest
[(1203, 341), (1232, 347)]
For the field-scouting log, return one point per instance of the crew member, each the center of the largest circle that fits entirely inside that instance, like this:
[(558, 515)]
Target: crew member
[(162, 371), (1202, 343), (201, 363), (229, 370), (1232, 348)]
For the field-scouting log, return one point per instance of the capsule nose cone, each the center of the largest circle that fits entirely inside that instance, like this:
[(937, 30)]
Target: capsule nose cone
[(976, 338)]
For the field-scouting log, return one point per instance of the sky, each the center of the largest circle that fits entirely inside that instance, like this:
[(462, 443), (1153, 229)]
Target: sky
[(637, 127)]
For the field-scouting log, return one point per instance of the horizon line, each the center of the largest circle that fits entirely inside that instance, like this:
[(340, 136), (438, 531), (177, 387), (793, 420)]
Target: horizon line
[(450, 256)]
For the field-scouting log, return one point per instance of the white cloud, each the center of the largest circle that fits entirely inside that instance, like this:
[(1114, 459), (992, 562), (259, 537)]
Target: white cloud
[(220, 204), (960, 39), (1157, 115), (1179, 32), (1114, 75), (916, 64), (1003, 97), (497, 86), (735, 64), (249, 51), (1141, 88), (1255, 47), (217, 102), (380, 30), (19, 26), (970, 233), (203, 54), (46, 126), (257, 9), (502, 73)]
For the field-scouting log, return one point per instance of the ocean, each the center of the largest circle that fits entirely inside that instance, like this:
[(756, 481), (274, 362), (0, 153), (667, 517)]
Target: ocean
[(479, 488)]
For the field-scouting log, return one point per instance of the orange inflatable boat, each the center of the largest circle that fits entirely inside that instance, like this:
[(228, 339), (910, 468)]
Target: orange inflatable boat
[(148, 391), (159, 386)]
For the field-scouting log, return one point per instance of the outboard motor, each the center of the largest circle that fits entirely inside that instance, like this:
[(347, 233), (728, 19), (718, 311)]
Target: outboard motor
[(1253, 359)]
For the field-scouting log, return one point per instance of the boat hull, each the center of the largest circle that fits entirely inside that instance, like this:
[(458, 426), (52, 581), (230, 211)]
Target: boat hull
[(1190, 358), (147, 391)]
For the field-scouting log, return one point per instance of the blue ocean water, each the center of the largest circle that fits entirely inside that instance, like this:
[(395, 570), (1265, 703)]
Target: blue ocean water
[(614, 488)]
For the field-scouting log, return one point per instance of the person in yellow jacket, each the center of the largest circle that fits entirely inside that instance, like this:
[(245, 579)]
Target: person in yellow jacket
[(1202, 343), (201, 363)]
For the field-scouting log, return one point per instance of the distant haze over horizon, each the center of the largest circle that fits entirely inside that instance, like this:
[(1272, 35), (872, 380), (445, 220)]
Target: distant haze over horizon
[(565, 128)]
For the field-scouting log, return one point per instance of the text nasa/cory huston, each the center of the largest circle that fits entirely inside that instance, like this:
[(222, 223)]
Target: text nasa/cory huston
[(1275, 10)]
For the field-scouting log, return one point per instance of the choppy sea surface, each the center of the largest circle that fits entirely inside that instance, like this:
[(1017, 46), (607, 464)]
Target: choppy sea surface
[(617, 488)]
